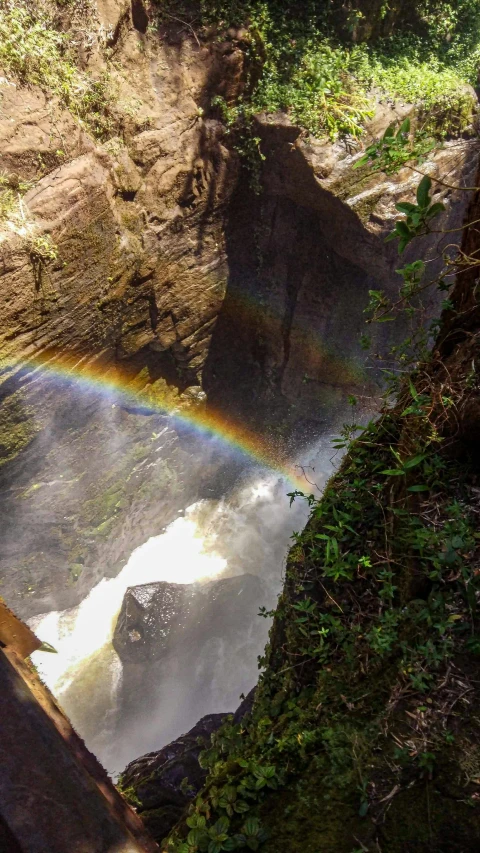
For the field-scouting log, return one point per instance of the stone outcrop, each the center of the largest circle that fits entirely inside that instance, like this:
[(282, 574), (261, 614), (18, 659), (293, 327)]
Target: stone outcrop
[(302, 258), (160, 618), (163, 783), (136, 231), (186, 650)]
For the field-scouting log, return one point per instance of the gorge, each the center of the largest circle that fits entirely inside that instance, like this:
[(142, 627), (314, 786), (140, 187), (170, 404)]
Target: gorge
[(195, 201)]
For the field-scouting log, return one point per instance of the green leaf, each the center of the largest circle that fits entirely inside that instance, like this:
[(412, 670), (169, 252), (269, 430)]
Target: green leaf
[(46, 647), (423, 192), (221, 826), (390, 131), (195, 836), (214, 847), (229, 794), (413, 390), (414, 461), (251, 826), (434, 209), (269, 772), (196, 821), (403, 230), (404, 127), (392, 236), (396, 454), (419, 488), (393, 472), (363, 808), (406, 207), (362, 162), (230, 844), (253, 843), (241, 807)]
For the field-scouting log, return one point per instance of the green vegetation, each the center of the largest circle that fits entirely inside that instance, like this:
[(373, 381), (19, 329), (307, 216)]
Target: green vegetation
[(11, 191), (33, 50), (316, 61), (17, 426), (377, 633), (320, 64), (380, 595), (395, 148)]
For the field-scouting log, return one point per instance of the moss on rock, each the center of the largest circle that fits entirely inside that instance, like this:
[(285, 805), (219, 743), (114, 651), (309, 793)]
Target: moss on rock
[(18, 426)]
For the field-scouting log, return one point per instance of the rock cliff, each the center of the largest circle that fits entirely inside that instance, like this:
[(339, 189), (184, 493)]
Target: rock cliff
[(364, 730), (131, 241), (161, 784), (135, 221)]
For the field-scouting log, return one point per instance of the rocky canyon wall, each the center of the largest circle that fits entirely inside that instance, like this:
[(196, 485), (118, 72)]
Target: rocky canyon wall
[(140, 247), (300, 275)]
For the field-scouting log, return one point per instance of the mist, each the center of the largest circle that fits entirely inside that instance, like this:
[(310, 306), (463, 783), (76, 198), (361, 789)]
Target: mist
[(245, 532)]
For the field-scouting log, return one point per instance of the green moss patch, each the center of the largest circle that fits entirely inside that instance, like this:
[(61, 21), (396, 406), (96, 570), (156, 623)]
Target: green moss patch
[(18, 427)]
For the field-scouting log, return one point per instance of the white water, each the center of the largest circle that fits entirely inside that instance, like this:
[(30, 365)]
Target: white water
[(248, 532), (177, 556)]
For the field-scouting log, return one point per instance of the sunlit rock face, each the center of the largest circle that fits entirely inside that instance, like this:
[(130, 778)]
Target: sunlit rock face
[(136, 220)]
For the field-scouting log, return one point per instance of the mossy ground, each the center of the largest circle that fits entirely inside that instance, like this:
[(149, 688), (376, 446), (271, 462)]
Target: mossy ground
[(364, 718)]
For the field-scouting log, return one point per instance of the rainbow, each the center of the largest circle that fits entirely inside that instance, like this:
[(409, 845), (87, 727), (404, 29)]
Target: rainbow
[(135, 390)]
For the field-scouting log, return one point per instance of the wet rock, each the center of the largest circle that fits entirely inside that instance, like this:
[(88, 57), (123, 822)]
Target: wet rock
[(194, 397), (187, 650), (158, 618), (163, 783), (172, 776)]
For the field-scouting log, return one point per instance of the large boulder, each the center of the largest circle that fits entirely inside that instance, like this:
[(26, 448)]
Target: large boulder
[(186, 650), (159, 618)]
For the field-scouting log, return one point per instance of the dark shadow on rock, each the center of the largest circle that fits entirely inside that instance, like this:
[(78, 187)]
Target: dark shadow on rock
[(163, 783)]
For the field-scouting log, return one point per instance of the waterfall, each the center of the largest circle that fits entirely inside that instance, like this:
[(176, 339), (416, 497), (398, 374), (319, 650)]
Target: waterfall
[(246, 531)]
